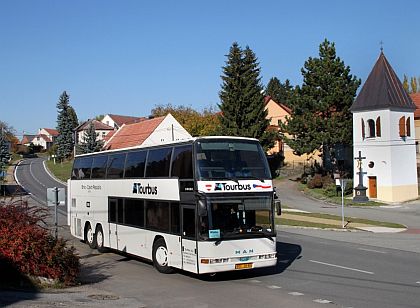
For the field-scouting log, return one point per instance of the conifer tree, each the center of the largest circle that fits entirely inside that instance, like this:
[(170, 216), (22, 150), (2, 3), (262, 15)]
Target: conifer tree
[(4, 152), (405, 84), (242, 98), (413, 85), (90, 142), (320, 116), (279, 92), (65, 128)]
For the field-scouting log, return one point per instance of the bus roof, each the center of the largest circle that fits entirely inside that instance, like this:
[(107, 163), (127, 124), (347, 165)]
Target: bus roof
[(187, 141)]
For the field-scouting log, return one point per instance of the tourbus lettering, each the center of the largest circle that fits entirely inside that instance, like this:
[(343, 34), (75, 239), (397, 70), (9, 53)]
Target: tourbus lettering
[(144, 190), (226, 186)]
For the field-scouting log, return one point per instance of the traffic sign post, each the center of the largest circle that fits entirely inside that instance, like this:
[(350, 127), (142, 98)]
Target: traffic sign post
[(55, 197), (342, 183)]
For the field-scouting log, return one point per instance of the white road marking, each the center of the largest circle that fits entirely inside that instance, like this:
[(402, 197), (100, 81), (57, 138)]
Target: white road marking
[(343, 267), (255, 281), (418, 282), (30, 171), (322, 301), (274, 287), (296, 293), (372, 250)]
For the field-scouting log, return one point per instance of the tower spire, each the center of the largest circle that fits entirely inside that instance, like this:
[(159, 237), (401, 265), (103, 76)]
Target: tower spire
[(382, 46)]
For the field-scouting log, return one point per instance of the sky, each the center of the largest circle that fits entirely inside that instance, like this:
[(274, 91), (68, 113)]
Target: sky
[(126, 57)]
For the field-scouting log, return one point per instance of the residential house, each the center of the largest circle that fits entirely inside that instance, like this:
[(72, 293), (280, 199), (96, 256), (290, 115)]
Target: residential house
[(277, 112), (116, 121), (148, 133), (45, 138), (384, 137), (415, 97), (102, 130)]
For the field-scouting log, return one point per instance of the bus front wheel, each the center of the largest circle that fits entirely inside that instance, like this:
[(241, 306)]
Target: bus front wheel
[(90, 237), (160, 256)]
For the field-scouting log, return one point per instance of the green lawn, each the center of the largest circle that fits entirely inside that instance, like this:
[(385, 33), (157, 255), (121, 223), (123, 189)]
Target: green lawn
[(62, 170)]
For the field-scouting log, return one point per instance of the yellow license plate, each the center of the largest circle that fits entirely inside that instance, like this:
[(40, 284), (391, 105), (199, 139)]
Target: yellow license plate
[(243, 265)]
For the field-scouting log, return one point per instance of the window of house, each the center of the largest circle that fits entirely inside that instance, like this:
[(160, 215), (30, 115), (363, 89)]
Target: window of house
[(371, 128), (378, 127), (408, 128), (363, 130), (402, 126)]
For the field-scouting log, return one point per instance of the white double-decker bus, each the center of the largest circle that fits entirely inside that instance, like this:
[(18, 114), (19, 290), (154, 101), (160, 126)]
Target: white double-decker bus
[(205, 205)]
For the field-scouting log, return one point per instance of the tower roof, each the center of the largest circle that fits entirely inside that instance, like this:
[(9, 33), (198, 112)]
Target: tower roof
[(382, 89)]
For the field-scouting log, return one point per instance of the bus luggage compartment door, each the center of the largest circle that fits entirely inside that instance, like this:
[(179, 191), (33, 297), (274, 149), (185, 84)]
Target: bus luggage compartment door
[(188, 240)]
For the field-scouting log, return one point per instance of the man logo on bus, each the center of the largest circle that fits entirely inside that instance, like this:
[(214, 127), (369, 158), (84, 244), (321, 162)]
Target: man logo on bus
[(144, 190)]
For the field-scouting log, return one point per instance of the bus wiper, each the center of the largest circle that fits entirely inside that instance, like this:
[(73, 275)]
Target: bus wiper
[(217, 243)]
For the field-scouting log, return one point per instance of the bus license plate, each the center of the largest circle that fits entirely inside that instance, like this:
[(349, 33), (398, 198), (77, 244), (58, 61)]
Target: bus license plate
[(243, 265)]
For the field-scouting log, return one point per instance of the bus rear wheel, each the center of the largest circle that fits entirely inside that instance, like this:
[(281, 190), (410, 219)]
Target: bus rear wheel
[(160, 256), (99, 237), (90, 237)]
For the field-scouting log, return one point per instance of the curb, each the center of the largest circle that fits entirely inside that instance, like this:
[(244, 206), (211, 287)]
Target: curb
[(51, 175)]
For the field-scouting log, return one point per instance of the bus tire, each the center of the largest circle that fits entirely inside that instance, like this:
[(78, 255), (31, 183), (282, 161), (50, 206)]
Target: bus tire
[(99, 238), (90, 236), (160, 256)]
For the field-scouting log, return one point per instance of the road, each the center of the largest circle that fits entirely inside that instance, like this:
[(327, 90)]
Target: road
[(315, 268)]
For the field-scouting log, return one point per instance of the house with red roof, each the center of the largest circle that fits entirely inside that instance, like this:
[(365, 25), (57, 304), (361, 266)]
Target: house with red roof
[(278, 112), (116, 121), (149, 132), (102, 130), (45, 138)]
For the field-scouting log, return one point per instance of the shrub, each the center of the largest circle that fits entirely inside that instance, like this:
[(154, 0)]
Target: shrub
[(315, 182), (31, 248)]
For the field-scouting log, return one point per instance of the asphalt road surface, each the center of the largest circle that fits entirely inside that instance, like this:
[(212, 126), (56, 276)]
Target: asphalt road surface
[(313, 271)]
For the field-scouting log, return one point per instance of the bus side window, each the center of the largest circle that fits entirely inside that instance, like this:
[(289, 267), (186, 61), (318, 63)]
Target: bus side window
[(134, 165), (158, 162), (182, 162), (115, 168), (84, 170), (134, 212), (175, 219), (157, 215), (99, 166), (75, 170)]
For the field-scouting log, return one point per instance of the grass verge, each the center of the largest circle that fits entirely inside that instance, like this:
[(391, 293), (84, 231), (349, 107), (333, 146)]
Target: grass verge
[(319, 193), (62, 170)]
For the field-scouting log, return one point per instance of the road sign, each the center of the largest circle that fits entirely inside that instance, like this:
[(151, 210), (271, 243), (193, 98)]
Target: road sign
[(51, 196)]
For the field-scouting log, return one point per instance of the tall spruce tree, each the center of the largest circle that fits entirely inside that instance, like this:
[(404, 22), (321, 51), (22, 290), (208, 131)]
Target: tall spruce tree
[(4, 152), (242, 99), (65, 128), (90, 142), (280, 92), (320, 117)]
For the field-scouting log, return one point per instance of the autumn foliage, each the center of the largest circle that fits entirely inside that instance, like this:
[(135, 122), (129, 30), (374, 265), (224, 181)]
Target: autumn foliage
[(29, 247)]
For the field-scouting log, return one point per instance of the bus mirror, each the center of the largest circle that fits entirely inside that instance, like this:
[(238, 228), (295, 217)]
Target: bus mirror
[(202, 209), (277, 204)]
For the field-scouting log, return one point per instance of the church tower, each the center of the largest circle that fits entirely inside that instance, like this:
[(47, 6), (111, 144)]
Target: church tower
[(383, 131)]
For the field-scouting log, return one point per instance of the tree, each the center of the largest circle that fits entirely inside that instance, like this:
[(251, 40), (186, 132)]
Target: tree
[(280, 92), (65, 126), (197, 123), (90, 142), (242, 100), (73, 118), (413, 82), (320, 117), (4, 153), (405, 84)]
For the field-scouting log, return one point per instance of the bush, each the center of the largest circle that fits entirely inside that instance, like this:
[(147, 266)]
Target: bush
[(315, 182), (31, 248)]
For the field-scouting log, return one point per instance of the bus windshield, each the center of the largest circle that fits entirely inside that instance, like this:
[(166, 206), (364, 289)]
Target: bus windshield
[(231, 160), (237, 217)]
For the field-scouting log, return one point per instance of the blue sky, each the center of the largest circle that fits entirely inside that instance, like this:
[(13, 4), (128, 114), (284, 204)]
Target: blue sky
[(125, 57)]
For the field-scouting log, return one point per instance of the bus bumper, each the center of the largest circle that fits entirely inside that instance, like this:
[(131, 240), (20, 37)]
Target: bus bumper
[(222, 266)]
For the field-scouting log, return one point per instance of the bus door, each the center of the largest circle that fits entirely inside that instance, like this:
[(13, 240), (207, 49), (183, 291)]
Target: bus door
[(189, 239), (113, 211)]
